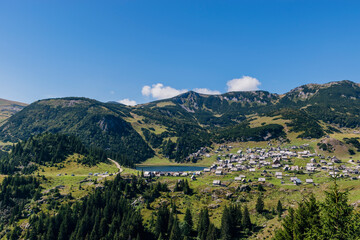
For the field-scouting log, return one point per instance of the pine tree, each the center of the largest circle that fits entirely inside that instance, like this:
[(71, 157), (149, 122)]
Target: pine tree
[(246, 222), (51, 231), (337, 214), (226, 225), (301, 221), (162, 221), (188, 223), (170, 222), (212, 233), (259, 204), (279, 208), (261, 188), (287, 232), (203, 224), (175, 231), (236, 216)]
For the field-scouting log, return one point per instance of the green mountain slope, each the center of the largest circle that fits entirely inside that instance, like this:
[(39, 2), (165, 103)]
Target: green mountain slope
[(95, 123), (177, 127), (335, 103)]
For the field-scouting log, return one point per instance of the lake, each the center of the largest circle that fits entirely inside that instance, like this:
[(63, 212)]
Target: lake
[(169, 168)]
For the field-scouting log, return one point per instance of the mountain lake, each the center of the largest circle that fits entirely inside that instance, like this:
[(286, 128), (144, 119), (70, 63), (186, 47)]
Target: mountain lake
[(169, 168)]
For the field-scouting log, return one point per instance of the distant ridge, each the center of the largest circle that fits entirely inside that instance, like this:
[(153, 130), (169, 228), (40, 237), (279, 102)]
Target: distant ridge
[(9, 108), (9, 102)]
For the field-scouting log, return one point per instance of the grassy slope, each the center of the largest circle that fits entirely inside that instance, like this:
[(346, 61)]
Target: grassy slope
[(72, 183), (288, 193)]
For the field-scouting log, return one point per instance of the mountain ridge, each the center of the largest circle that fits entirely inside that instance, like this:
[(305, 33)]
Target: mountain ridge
[(179, 126)]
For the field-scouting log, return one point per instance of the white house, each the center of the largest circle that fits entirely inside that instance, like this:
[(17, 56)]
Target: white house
[(309, 181), (216, 182)]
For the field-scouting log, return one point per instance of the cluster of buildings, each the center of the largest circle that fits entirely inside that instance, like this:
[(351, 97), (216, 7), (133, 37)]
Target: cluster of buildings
[(274, 162)]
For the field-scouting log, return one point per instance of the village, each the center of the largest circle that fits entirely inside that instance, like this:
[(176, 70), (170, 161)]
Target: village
[(260, 164)]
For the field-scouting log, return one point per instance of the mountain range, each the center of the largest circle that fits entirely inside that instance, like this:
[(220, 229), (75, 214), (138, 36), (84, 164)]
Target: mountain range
[(178, 127)]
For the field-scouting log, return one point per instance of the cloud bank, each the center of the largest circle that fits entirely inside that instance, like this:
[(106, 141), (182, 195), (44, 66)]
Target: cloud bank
[(245, 83), (127, 102), (159, 91)]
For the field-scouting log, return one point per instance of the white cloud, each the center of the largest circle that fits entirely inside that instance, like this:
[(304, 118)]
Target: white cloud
[(206, 91), (245, 83), (159, 91), (112, 92), (127, 102), (146, 90)]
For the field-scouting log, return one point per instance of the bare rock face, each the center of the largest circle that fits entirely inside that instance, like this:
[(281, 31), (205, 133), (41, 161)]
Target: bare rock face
[(111, 123), (333, 145)]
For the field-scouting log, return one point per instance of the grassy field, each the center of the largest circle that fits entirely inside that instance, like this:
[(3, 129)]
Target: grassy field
[(62, 175)]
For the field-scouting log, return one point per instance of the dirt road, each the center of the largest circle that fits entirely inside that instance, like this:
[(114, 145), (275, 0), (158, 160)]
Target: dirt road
[(116, 164)]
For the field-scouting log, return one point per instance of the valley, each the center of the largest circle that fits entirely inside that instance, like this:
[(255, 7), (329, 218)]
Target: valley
[(65, 162)]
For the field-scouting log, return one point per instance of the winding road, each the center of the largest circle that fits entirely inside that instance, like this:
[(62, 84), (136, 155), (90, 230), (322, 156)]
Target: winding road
[(117, 165)]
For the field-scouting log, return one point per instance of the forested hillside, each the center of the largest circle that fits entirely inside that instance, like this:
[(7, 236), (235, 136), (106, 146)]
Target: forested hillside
[(96, 124), (47, 149), (177, 127)]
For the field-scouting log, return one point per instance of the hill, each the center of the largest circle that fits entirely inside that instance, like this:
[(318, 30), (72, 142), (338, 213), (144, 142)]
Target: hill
[(177, 128), (9, 108), (95, 123)]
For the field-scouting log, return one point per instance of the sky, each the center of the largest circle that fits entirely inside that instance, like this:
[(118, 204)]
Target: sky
[(135, 51)]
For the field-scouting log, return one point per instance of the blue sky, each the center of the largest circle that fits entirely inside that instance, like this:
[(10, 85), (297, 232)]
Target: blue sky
[(145, 50)]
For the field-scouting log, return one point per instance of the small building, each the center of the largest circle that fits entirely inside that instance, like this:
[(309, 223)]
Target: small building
[(297, 181), (218, 172), (276, 161), (238, 178), (148, 174), (309, 181), (261, 180), (216, 182)]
